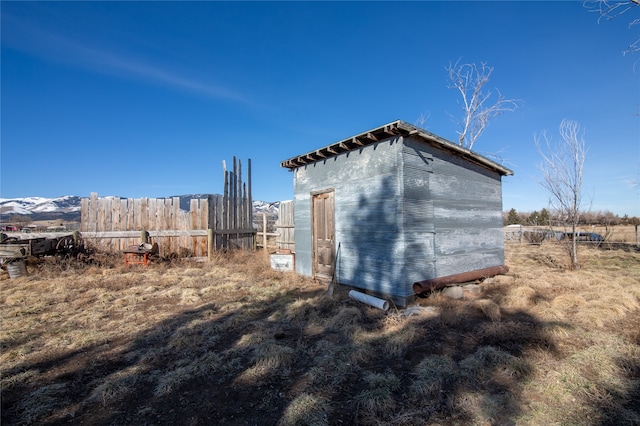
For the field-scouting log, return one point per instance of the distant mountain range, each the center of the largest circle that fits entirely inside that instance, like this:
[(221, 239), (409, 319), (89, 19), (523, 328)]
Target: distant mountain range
[(68, 208)]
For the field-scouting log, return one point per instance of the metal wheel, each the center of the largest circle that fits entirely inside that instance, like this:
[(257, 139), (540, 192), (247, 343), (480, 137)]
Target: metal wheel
[(67, 244)]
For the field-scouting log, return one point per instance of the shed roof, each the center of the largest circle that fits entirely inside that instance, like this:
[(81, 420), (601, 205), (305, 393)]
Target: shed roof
[(395, 128)]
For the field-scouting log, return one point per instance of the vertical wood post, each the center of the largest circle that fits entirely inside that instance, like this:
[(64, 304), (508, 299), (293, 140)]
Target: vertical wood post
[(225, 207), (210, 244), (264, 231), (234, 197)]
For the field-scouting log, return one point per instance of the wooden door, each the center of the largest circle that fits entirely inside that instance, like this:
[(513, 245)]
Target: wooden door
[(323, 234)]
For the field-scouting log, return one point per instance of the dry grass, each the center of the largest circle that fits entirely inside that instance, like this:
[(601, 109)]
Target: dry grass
[(616, 234), (233, 342)]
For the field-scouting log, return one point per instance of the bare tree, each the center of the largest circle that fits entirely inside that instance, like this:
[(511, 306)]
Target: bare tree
[(609, 9), (562, 168), (470, 80), (422, 119)]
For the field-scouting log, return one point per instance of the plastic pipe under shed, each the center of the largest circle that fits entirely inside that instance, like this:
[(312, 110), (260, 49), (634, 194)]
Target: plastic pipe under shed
[(369, 300)]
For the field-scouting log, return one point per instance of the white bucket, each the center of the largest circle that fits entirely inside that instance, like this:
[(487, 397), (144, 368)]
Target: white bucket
[(17, 269)]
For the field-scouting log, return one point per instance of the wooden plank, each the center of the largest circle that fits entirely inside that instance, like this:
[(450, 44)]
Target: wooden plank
[(144, 214), (160, 221), (153, 213), (224, 222), (250, 196), (168, 212), (284, 226), (101, 223), (84, 214), (194, 214), (136, 234), (124, 214), (218, 222), (212, 214), (128, 213), (204, 217), (175, 218), (24, 236), (159, 225), (93, 211), (235, 231), (115, 214), (240, 212), (104, 210), (174, 243), (137, 213), (167, 224), (194, 219), (128, 219), (204, 213), (108, 213), (234, 195), (14, 251)]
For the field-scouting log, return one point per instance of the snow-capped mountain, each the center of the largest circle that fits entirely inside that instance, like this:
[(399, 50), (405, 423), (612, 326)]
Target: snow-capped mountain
[(68, 207), (265, 207), (40, 208)]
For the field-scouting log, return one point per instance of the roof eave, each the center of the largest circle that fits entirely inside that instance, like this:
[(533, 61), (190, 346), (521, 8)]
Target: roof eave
[(395, 128)]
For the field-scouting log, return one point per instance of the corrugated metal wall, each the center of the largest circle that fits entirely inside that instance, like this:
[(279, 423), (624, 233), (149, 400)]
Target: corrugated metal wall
[(419, 231), (368, 195), (405, 211), (467, 202)]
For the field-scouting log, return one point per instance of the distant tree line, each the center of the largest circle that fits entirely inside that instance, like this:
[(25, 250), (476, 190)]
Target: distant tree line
[(545, 218)]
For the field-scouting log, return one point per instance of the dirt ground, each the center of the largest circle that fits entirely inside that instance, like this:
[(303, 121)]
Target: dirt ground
[(232, 342)]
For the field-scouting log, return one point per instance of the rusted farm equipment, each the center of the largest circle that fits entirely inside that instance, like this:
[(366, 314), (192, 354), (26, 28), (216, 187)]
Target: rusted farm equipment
[(140, 254), (15, 248)]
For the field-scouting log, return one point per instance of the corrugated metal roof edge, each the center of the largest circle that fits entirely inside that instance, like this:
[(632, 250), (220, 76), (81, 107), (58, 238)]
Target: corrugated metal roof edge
[(394, 128)]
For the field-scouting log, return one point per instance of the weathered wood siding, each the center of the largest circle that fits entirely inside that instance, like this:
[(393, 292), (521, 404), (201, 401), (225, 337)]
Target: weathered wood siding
[(285, 226), (106, 215), (112, 224)]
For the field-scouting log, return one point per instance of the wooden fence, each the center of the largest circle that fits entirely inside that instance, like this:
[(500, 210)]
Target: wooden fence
[(285, 227), (112, 224), (217, 222)]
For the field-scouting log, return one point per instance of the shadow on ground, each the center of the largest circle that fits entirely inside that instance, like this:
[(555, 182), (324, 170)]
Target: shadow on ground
[(296, 358)]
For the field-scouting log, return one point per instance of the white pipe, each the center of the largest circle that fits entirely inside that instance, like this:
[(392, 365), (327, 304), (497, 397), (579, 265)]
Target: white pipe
[(369, 300)]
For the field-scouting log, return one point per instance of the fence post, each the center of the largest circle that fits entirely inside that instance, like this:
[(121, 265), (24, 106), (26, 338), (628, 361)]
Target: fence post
[(264, 231), (210, 244), (521, 234)]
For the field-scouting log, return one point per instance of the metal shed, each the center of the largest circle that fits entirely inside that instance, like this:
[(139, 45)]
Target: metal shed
[(393, 206)]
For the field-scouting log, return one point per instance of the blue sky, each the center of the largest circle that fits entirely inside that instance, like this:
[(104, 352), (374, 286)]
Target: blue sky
[(146, 99)]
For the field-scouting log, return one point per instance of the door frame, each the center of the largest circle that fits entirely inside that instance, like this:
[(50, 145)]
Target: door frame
[(314, 241)]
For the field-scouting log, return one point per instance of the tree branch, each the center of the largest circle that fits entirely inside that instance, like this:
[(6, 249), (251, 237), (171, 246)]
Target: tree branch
[(470, 80)]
